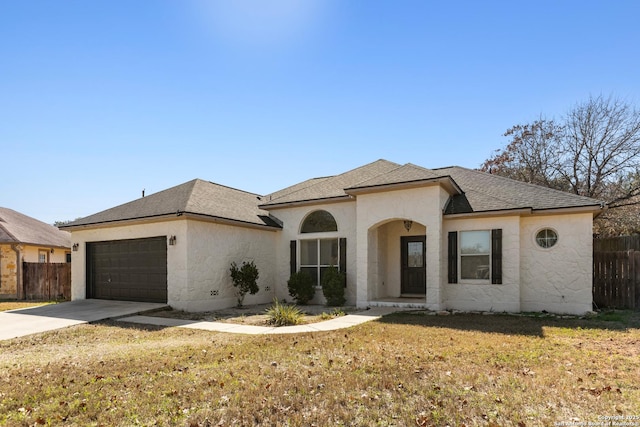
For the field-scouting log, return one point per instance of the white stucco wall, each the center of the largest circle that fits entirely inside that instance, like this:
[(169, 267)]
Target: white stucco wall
[(212, 248), (483, 296), (345, 216), (420, 205), (197, 265), (557, 279)]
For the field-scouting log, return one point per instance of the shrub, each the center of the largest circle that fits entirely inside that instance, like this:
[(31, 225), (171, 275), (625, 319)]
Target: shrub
[(301, 287), (283, 314), (244, 279), (333, 282)]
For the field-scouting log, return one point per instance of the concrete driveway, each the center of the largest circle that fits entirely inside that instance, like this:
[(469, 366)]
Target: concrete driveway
[(27, 321)]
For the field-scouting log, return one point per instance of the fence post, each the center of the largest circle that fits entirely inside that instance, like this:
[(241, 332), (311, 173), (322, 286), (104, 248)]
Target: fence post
[(635, 285)]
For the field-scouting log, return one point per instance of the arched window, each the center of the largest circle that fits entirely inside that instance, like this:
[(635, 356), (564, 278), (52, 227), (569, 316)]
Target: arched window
[(319, 222)]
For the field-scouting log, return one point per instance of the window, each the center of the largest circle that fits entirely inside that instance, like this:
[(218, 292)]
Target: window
[(316, 255), (43, 255), (475, 255), (546, 238), (475, 250), (319, 222)]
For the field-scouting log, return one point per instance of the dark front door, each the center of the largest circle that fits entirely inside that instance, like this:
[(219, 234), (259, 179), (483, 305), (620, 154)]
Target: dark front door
[(413, 258), (130, 270)]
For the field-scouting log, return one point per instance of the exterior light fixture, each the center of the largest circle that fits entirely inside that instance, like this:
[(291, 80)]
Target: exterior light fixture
[(172, 240), (75, 247), (407, 225)]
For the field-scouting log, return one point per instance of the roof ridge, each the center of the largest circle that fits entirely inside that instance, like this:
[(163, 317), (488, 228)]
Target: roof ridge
[(227, 186), (382, 174), (332, 177)]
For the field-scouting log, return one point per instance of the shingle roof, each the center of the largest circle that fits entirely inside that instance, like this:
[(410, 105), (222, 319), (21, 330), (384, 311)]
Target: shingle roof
[(330, 187), (19, 228), (485, 192), (193, 197), (472, 191)]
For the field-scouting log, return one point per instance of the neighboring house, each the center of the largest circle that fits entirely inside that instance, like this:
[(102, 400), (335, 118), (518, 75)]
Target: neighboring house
[(449, 238), (25, 239)]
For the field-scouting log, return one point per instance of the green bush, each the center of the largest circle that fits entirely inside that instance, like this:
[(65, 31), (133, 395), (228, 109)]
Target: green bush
[(333, 282), (301, 287), (283, 314), (244, 279)]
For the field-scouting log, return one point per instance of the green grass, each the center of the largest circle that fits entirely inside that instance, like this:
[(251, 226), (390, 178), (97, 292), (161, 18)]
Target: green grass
[(406, 369)]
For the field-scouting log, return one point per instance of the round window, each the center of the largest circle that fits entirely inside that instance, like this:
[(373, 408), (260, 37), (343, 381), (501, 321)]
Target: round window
[(546, 238)]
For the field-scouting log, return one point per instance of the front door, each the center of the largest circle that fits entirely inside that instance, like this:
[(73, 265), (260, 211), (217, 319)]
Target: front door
[(414, 273)]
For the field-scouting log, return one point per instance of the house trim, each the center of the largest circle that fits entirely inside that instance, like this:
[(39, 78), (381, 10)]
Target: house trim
[(596, 209), (172, 217)]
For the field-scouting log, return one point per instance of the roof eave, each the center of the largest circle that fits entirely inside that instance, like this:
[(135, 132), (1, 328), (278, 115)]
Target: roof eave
[(595, 209), (169, 217)]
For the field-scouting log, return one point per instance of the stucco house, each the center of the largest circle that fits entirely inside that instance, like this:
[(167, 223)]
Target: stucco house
[(447, 238), (25, 239)]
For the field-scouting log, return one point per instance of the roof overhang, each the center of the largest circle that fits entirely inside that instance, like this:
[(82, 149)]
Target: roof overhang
[(593, 209), (445, 181), (169, 217)]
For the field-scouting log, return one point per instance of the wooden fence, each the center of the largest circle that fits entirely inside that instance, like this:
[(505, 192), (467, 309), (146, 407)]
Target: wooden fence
[(616, 272), (46, 281)]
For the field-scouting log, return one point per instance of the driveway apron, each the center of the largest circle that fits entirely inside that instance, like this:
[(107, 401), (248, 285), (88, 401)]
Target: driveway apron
[(27, 321)]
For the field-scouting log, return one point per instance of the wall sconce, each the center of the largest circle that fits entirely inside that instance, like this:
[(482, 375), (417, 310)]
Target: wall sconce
[(51, 250), (172, 240), (75, 247), (407, 225)]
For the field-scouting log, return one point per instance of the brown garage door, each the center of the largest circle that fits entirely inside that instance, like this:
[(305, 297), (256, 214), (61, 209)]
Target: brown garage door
[(130, 270)]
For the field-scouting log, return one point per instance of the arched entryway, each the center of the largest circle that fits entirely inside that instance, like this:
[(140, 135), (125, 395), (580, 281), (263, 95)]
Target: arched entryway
[(397, 267)]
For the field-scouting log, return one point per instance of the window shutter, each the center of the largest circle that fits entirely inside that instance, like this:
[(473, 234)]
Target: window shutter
[(496, 256), (343, 256), (292, 256), (453, 257)]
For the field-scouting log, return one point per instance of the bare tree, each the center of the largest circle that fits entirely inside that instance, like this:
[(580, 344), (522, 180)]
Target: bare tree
[(594, 151)]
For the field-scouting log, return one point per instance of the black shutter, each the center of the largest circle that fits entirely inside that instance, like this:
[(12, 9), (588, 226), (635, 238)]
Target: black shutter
[(453, 257), (292, 256), (343, 256), (496, 256)]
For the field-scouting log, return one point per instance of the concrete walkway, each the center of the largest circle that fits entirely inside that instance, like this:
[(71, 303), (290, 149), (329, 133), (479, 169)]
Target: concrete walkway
[(238, 328), (27, 321)]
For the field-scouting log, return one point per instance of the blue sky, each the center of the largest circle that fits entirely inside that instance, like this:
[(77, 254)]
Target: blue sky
[(101, 99)]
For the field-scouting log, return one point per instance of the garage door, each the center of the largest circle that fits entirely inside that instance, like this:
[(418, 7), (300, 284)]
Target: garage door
[(130, 270)]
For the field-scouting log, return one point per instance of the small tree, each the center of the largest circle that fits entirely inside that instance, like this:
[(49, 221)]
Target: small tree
[(333, 282), (244, 279), (301, 287)]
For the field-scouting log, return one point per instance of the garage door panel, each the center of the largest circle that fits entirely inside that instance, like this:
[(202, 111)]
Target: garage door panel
[(133, 270)]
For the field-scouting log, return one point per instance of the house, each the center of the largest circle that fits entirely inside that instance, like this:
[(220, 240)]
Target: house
[(25, 239), (448, 238)]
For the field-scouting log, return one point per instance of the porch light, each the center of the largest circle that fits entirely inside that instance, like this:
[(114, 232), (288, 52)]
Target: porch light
[(75, 247), (407, 225), (172, 240)]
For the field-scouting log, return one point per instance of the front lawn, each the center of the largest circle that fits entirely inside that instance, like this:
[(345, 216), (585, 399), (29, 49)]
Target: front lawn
[(407, 369)]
